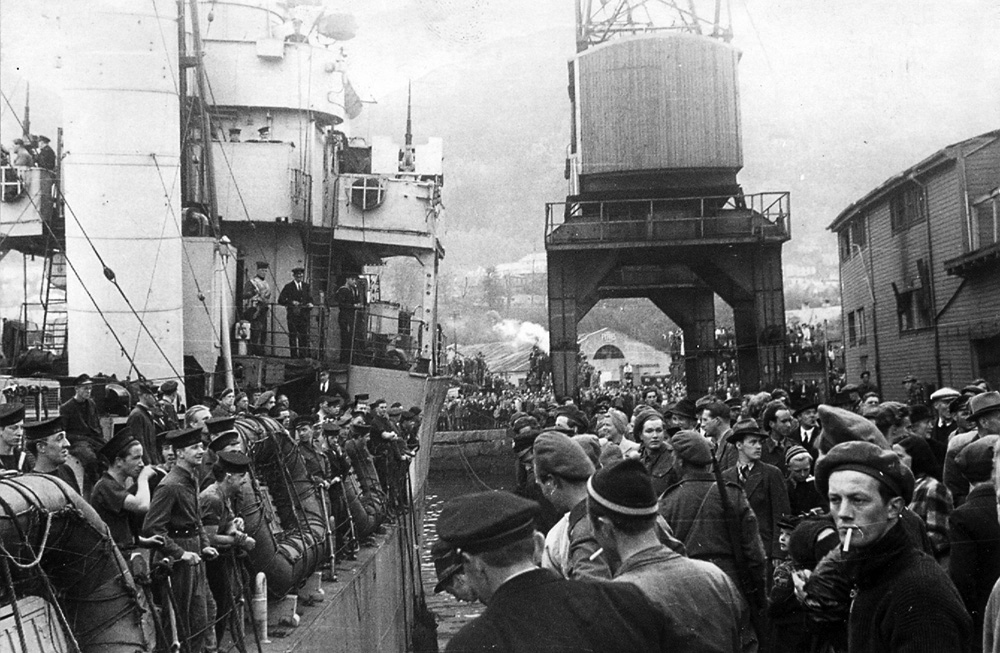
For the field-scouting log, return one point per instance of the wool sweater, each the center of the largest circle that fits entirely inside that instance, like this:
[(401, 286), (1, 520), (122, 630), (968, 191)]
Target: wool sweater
[(904, 602)]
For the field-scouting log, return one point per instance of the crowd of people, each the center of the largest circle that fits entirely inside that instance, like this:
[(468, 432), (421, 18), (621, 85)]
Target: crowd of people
[(768, 522), (169, 481)]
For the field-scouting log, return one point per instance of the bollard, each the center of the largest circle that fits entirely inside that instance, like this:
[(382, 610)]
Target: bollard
[(259, 607), (286, 612)]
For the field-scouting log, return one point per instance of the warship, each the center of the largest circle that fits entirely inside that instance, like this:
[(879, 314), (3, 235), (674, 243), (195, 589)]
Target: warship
[(197, 144)]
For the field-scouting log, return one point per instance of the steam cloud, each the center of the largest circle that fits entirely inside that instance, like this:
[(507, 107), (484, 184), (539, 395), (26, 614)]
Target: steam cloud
[(518, 332)]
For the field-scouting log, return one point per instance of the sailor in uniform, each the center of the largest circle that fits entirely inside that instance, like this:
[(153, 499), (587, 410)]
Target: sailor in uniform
[(175, 516), (118, 507), (258, 296), (13, 457), (47, 441)]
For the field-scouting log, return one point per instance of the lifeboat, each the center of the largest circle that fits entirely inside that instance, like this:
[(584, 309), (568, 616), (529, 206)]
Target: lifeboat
[(53, 545)]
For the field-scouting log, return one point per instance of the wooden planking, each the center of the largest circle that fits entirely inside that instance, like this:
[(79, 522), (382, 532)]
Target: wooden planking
[(656, 103)]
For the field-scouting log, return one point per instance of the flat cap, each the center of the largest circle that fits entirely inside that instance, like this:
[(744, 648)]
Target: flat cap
[(841, 425), (746, 426), (303, 420), (121, 441), (11, 414), (524, 441), (576, 417), (975, 460), (692, 447), (234, 462), (556, 453), (447, 562), (881, 464), (181, 438), (34, 431), (624, 488), (486, 521), (168, 387), (945, 393), (591, 446)]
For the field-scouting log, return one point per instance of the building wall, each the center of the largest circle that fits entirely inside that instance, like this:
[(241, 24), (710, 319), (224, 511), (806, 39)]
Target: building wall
[(965, 309)]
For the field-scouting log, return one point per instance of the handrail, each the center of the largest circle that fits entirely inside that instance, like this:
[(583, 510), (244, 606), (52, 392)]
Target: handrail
[(760, 215)]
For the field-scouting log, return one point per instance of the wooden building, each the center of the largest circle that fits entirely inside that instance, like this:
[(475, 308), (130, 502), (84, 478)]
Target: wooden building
[(920, 272)]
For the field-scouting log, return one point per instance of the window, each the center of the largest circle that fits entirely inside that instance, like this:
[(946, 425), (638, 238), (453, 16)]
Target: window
[(912, 309), (986, 227), (862, 327), (608, 351), (852, 328), (852, 236), (864, 363), (906, 207)]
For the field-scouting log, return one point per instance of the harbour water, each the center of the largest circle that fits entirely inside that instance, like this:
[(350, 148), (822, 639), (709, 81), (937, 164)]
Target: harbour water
[(451, 613)]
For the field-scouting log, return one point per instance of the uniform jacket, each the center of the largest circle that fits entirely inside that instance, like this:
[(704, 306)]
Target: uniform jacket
[(174, 506), (904, 601), (693, 509), (660, 466), (291, 294), (975, 550), (704, 608), (538, 611), (768, 497)]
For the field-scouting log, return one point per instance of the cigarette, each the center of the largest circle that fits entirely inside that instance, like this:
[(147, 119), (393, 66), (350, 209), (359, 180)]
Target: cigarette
[(596, 554), (847, 539)]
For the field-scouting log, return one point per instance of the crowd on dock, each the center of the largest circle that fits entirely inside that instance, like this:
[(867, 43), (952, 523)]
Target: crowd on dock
[(171, 482), (769, 522)]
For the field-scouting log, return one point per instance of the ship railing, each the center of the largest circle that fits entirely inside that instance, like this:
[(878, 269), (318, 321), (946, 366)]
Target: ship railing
[(380, 339), (761, 216)]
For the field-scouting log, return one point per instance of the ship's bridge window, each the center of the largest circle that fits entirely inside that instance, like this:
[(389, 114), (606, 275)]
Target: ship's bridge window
[(367, 193)]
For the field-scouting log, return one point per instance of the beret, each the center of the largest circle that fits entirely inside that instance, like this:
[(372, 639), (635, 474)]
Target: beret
[(575, 416), (841, 425), (181, 438), (40, 430), (795, 450), (234, 462), (945, 393), (226, 392), (485, 521), (264, 398), (692, 447), (746, 426), (121, 441), (447, 562), (168, 387), (881, 464), (591, 446), (624, 488), (556, 453), (975, 460), (11, 414)]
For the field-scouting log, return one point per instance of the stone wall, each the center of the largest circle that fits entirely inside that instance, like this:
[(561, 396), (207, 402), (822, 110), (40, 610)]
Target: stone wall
[(486, 452)]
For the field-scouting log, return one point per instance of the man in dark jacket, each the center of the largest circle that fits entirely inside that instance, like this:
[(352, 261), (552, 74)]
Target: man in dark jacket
[(142, 423), (974, 533), (903, 600), (763, 484), (297, 299), (530, 609)]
